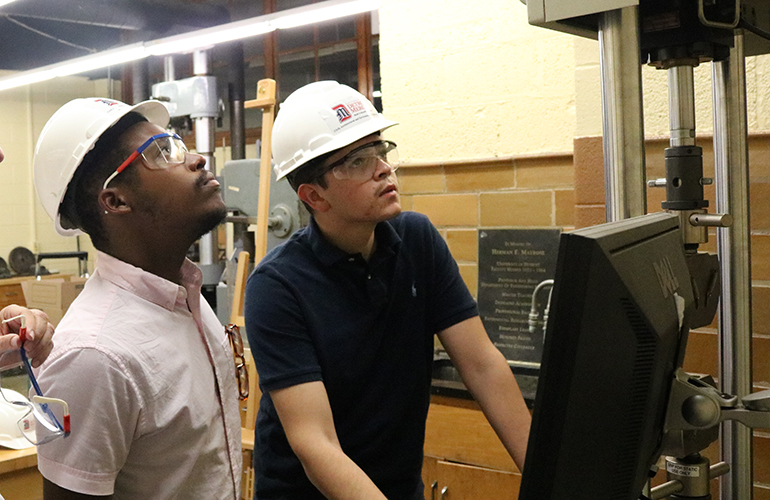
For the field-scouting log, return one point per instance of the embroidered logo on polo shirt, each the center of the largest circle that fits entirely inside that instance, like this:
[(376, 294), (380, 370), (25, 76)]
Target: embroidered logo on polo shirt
[(414, 290)]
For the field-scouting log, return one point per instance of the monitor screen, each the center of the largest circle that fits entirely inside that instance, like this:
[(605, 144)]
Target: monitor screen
[(616, 332)]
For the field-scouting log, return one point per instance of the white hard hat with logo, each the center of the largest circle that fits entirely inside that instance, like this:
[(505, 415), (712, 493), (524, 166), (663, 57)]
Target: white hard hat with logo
[(71, 133), (319, 118), (11, 416)]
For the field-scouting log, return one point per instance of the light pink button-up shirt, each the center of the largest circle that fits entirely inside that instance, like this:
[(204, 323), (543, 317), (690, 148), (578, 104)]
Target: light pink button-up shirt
[(147, 371)]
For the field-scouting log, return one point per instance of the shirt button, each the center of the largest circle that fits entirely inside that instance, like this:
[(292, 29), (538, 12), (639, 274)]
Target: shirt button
[(369, 277)]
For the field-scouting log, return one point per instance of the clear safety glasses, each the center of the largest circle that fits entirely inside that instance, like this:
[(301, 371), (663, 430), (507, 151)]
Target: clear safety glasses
[(241, 371), (42, 419), (159, 151), (361, 163)]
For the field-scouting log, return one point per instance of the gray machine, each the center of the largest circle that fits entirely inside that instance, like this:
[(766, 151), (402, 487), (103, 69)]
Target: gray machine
[(676, 36), (240, 181)]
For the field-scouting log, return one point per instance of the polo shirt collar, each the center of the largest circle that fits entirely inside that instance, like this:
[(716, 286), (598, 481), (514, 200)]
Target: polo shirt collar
[(149, 286), (329, 254)]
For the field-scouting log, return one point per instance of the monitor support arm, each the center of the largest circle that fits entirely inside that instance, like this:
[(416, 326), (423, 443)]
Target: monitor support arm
[(696, 405), (695, 410)]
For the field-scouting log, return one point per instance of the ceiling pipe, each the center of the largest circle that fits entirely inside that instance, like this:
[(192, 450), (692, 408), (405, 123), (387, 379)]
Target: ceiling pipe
[(135, 15)]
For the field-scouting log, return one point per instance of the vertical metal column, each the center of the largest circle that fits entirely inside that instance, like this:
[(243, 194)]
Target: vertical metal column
[(140, 81), (623, 122), (204, 144), (681, 105), (733, 243)]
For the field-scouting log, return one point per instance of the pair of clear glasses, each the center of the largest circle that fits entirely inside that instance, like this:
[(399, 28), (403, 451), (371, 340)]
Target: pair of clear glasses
[(160, 151), (42, 419), (360, 164)]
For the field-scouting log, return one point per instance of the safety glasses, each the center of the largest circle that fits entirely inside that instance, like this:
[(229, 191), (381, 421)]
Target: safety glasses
[(241, 371), (360, 164), (159, 152), (42, 419)]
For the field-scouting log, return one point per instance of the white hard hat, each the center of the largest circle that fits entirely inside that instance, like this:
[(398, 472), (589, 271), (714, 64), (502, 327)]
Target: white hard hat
[(71, 133), (10, 416), (319, 118)]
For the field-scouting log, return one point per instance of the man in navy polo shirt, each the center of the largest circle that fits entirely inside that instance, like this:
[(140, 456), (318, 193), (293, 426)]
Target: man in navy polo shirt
[(341, 318)]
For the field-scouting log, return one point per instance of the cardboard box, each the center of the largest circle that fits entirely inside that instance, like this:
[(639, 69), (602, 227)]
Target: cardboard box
[(53, 296)]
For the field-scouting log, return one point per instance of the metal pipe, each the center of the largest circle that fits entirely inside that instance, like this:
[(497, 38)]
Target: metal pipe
[(734, 246), (237, 94), (681, 105), (168, 69), (140, 81), (237, 98), (623, 126), (204, 145)]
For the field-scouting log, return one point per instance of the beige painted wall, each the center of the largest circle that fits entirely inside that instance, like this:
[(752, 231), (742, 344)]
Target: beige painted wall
[(655, 85), (24, 112), (474, 80)]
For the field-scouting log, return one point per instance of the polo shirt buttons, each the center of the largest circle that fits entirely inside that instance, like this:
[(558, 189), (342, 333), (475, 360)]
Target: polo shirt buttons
[(369, 277)]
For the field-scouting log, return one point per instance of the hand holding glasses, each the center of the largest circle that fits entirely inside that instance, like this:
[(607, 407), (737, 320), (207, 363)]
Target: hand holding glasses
[(39, 422)]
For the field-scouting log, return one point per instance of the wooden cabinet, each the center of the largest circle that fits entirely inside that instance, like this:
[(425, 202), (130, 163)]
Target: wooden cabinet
[(19, 477), (464, 459), (11, 293), (451, 481)]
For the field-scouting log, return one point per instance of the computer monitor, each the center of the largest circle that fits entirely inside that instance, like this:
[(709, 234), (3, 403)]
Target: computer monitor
[(617, 331)]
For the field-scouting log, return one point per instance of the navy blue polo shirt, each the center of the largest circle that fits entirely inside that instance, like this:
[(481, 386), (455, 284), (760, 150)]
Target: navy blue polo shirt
[(316, 313)]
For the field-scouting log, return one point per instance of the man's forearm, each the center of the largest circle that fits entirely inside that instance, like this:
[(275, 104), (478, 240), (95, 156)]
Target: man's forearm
[(337, 476), (498, 394)]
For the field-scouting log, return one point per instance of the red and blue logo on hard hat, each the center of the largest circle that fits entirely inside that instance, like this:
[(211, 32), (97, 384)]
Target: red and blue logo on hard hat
[(342, 113), (108, 102)]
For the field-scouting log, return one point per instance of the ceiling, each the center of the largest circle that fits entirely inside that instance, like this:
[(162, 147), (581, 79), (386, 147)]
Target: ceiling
[(35, 33)]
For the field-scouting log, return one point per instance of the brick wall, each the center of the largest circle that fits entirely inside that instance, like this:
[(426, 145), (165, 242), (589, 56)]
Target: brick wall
[(461, 197)]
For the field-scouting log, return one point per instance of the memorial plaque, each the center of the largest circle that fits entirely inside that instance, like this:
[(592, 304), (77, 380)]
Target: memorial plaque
[(512, 263)]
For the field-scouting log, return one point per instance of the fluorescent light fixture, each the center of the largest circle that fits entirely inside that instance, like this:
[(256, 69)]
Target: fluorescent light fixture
[(98, 60), (25, 78), (194, 40), (187, 42), (324, 11)]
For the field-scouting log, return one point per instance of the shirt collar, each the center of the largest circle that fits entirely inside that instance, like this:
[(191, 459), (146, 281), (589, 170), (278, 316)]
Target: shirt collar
[(149, 286), (329, 254)]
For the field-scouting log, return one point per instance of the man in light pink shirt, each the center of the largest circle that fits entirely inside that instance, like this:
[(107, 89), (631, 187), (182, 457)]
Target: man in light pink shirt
[(140, 356)]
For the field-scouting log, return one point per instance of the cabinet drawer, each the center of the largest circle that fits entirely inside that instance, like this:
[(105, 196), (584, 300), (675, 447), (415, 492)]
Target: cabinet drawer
[(11, 294), (452, 481)]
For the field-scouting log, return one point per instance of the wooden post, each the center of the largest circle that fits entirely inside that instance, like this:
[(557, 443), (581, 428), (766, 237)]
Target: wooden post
[(266, 101)]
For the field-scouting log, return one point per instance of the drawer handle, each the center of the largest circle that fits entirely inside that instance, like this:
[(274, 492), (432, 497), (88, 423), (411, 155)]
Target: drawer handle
[(444, 491), (11, 294), (433, 488)]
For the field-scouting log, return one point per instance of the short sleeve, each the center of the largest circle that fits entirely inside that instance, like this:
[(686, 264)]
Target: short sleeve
[(105, 412), (283, 351)]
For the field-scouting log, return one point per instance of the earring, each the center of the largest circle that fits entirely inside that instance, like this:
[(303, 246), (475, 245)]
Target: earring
[(106, 212)]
